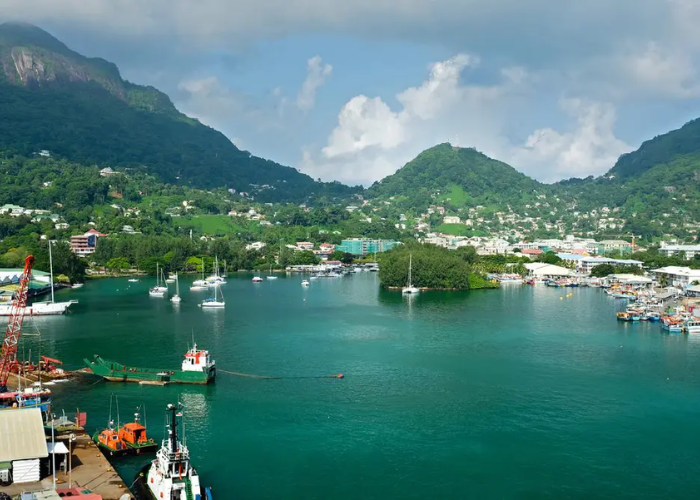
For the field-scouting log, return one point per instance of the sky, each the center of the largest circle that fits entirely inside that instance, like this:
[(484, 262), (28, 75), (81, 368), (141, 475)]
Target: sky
[(351, 91)]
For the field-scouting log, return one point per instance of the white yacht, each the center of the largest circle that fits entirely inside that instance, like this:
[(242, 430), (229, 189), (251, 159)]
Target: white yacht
[(409, 289), (171, 475), (305, 283)]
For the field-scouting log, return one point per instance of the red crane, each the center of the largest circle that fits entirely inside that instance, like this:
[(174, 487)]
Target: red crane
[(8, 350)]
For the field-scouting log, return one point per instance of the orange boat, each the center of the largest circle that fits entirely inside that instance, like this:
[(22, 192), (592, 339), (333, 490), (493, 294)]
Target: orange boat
[(134, 437), (130, 439)]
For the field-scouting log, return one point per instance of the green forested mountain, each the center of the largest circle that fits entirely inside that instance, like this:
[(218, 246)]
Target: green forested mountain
[(463, 174), (661, 150), (80, 108)]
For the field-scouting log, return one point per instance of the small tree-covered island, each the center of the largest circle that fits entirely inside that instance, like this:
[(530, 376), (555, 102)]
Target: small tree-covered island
[(432, 268)]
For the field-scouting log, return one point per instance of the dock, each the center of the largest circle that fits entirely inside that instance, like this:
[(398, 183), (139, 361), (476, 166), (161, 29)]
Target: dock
[(90, 470)]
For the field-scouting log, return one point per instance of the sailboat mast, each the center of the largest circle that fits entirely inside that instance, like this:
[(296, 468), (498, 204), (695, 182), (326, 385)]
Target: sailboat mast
[(51, 270), (410, 265)]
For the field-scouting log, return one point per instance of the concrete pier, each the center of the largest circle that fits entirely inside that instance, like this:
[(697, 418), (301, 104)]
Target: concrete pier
[(90, 470)]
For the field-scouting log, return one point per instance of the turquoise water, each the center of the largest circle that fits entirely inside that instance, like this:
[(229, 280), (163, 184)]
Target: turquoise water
[(513, 393)]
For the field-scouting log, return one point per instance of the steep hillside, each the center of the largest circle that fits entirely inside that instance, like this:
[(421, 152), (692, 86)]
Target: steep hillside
[(80, 108), (465, 175), (659, 150)]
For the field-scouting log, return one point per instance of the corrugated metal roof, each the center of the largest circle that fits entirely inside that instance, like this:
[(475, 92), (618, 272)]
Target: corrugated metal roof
[(22, 435)]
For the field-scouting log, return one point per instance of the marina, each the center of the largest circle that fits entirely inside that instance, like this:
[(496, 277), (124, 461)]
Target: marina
[(495, 379)]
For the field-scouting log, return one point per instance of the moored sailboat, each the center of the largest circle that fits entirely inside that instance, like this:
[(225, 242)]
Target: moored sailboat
[(409, 288), (175, 299), (198, 285), (214, 302), (159, 290)]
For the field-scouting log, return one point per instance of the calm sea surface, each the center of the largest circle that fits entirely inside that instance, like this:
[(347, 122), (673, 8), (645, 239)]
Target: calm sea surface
[(513, 393)]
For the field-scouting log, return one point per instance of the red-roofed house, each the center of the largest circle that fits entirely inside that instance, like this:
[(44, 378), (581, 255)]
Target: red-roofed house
[(531, 252)]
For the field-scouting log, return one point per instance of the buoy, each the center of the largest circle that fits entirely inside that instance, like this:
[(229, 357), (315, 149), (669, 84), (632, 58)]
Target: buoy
[(340, 375)]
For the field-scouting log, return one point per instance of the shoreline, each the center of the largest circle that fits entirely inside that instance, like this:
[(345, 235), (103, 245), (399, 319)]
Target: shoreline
[(426, 289)]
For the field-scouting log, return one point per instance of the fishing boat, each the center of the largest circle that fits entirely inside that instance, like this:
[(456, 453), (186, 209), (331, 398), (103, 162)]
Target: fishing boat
[(34, 396), (672, 324), (197, 368), (175, 299), (171, 475), (624, 316), (409, 289), (691, 326), (214, 302), (159, 290)]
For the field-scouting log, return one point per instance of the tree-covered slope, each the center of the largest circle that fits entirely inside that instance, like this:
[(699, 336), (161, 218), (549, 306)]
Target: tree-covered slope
[(80, 108), (444, 169), (661, 149)]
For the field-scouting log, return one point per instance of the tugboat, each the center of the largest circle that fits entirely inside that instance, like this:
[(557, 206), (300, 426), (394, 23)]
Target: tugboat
[(198, 367), (171, 476)]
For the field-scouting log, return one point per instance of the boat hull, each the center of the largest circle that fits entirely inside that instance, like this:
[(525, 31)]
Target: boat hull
[(40, 308), (116, 372), (143, 492)]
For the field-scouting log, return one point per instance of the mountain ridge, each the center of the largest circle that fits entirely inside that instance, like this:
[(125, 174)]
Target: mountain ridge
[(80, 108)]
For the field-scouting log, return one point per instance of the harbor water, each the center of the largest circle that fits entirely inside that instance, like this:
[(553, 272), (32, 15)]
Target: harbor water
[(517, 393)]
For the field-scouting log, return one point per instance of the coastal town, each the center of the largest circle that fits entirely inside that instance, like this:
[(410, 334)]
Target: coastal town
[(416, 250)]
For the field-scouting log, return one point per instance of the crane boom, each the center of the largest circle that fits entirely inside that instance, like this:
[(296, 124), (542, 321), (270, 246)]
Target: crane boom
[(8, 350)]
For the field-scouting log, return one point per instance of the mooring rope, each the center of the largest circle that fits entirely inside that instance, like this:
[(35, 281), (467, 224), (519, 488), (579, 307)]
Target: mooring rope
[(268, 377)]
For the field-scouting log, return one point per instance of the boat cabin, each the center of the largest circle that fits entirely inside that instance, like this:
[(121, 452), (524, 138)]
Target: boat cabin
[(109, 438), (133, 433), (197, 360)]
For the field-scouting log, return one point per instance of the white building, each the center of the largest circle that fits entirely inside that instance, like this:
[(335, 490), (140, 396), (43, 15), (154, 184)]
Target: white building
[(258, 245), (451, 219), (22, 445), (686, 251), (542, 270), (584, 264), (677, 276)]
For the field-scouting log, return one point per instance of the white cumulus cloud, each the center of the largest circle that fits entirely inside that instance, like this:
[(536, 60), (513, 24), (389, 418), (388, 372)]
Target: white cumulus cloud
[(316, 74), (371, 140), (590, 148)]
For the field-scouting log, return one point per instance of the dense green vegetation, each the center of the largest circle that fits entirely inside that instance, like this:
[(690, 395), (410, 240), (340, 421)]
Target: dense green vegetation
[(662, 149), (80, 109), (463, 173), (433, 267)]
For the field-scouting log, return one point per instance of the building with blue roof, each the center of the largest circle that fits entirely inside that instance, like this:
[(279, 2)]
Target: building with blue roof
[(584, 265)]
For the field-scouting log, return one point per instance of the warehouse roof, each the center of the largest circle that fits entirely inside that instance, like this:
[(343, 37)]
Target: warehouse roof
[(22, 435)]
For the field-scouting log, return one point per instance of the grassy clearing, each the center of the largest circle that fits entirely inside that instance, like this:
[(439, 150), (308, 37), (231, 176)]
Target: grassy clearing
[(219, 225)]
